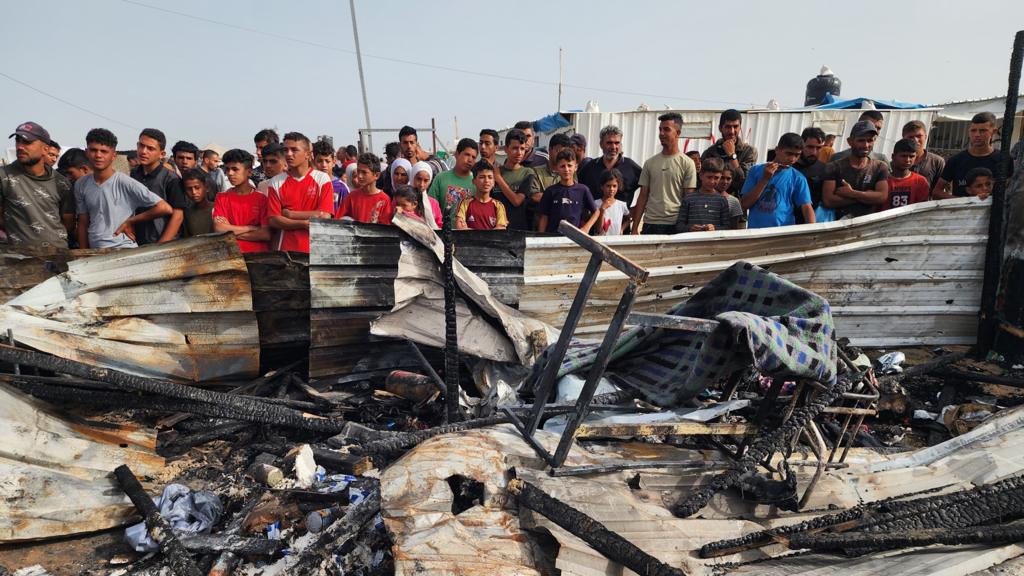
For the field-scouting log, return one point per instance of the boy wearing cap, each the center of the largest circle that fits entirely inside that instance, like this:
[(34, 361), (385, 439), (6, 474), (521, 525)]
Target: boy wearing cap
[(37, 208), (905, 186), (856, 184)]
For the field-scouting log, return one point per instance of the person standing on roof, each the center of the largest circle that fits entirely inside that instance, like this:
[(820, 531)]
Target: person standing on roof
[(37, 208), (666, 177), (731, 148)]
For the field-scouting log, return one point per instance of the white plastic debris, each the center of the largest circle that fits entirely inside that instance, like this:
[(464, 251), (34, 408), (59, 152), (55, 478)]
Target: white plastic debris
[(305, 467)]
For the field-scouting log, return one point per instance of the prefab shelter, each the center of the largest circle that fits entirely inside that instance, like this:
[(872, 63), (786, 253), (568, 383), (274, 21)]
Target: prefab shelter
[(950, 128)]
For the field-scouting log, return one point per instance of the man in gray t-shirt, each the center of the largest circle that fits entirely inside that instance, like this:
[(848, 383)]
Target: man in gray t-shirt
[(109, 205)]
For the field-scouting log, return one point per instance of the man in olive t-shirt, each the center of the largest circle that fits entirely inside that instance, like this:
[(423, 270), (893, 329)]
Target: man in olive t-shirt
[(36, 204), (664, 180)]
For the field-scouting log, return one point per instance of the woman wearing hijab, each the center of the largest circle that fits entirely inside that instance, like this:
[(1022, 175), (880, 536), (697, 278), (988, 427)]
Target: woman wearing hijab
[(401, 172), (421, 175)]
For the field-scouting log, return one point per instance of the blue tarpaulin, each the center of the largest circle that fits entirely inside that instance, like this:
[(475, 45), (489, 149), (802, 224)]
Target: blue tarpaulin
[(832, 104), (550, 123)]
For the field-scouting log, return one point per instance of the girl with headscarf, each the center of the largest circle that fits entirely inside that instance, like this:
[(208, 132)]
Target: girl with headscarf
[(400, 173), (421, 175), (350, 175)]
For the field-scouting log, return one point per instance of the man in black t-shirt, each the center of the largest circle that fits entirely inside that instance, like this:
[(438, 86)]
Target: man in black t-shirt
[(979, 154), (809, 165), (162, 182), (857, 184)]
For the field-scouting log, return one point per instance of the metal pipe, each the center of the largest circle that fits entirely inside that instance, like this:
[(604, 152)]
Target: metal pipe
[(362, 78)]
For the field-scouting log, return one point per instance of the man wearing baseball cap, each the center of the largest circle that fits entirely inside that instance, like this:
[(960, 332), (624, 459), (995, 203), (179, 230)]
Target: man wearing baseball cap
[(36, 204), (857, 184)]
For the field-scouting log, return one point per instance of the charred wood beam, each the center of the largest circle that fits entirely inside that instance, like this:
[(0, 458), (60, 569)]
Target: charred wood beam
[(178, 559), (760, 450), (984, 378), (453, 412), (600, 538), (240, 408), (955, 510), (183, 444), (317, 554), (335, 461), (225, 563), (233, 543), (861, 541)]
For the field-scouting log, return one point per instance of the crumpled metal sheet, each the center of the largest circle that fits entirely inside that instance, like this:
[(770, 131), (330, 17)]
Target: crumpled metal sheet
[(179, 311), (55, 473)]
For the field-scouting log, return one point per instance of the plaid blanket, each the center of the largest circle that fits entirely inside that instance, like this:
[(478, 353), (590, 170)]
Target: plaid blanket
[(765, 321)]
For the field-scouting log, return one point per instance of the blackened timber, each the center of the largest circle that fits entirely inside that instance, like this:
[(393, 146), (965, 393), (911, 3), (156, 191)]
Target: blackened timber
[(352, 523), (595, 534), (671, 322), (233, 543), (240, 408), (159, 529), (451, 332), (635, 272), (892, 540)]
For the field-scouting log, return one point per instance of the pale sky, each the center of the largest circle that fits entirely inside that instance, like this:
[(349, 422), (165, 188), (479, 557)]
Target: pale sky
[(220, 71)]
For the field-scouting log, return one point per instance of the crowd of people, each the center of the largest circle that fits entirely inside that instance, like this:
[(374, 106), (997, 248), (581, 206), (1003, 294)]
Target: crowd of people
[(267, 200)]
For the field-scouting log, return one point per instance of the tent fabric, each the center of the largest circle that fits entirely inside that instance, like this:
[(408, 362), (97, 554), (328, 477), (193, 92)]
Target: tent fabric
[(832, 104), (551, 123)]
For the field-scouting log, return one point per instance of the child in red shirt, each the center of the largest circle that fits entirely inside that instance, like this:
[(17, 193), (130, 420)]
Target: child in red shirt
[(481, 212), (298, 195), (366, 203), (905, 187), (242, 210)]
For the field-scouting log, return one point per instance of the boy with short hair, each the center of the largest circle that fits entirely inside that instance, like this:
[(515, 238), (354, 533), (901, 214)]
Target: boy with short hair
[(737, 215), (271, 165), (566, 200), (198, 208), (481, 212), (298, 195), (706, 209), (240, 209), (451, 186), (905, 186), (511, 180), (367, 203), (323, 160), (773, 191), (979, 182)]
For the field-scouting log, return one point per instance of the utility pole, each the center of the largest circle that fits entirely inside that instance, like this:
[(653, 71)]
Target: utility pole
[(561, 73), (362, 79)]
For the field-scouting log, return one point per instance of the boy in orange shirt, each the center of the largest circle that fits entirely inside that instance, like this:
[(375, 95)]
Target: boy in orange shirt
[(366, 204)]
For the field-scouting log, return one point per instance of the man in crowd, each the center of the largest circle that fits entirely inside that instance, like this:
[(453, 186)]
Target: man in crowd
[(162, 182), (52, 154), (261, 140), (927, 164), (731, 148), (534, 158), (211, 166), (547, 175), (979, 154), (198, 208), (856, 184), (409, 144), (774, 191), (323, 160), (341, 162), (452, 186), (74, 164), (905, 186), (185, 156), (809, 165), (509, 179), (240, 209), (827, 151), (109, 204), (489, 146), (273, 164), (666, 177), (298, 195), (611, 159), (876, 119), (579, 146), (391, 153), (695, 156), (36, 205)]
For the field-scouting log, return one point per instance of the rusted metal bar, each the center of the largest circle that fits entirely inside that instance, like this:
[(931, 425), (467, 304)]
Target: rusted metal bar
[(633, 271), (595, 534), (546, 383), (685, 428), (671, 322), (426, 365), (160, 531), (988, 321), (240, 408)]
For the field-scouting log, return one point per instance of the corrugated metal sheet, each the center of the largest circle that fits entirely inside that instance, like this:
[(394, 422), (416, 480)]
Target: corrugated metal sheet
[(906, 276), (181, 310), (761, 128), (23, 271), (56, 473), (352, 275)]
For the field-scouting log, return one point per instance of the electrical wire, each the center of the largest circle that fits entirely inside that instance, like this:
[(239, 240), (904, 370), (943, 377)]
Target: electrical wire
[(425, 64), (63, 101)]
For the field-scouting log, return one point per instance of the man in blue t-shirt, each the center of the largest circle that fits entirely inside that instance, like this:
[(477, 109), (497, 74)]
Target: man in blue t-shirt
[(773, 191)]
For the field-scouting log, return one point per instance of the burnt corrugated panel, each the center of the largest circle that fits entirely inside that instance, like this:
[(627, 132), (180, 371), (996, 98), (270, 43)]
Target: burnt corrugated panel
[(181, 310), (280, 297), (352, 275), (19, 272)]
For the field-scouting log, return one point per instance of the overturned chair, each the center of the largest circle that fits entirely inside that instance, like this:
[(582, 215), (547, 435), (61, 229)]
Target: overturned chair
[(747, 317)]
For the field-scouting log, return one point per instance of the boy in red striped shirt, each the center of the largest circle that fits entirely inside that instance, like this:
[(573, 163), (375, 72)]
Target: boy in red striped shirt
[(298, 195)]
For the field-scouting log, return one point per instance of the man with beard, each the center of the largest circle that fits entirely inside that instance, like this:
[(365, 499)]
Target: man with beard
[(857, 184), (409, 144), (877, 120), (534, 158), (161, 181), (809, 165), (927, 164), (731, 148), (666, 177), (36, 205), (610, 139)]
